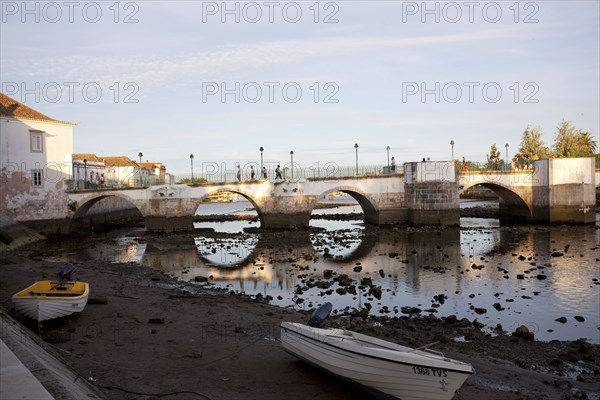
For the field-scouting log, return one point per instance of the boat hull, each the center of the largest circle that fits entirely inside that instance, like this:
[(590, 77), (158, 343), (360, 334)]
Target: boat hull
[(390, 370), (46, 300)]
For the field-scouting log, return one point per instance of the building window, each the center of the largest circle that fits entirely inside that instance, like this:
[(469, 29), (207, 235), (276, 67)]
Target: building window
[(36, 177), (37, 141)]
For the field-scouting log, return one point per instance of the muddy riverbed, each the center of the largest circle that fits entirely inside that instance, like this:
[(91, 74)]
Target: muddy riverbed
[(153, 334)]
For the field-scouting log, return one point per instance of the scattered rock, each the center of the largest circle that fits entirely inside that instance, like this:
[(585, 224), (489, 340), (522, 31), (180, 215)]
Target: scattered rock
[(410, 310), (524, 333), (562, 320), (441, 337), (579, 318), (451, 319), (562, 384)]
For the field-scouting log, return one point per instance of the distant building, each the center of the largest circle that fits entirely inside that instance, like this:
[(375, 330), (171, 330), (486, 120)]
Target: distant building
[(85, 168), (118, 171), (122, 171), (35, 161), (157, 173)]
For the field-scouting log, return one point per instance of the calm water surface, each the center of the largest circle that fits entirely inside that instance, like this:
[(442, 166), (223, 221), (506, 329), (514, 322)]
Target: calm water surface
[(508, 275)]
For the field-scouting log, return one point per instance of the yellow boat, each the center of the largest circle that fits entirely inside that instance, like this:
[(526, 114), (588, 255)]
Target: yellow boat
[(51, 299)]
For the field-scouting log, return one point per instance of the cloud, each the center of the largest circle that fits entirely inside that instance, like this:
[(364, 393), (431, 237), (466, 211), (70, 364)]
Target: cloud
[(236, 59)]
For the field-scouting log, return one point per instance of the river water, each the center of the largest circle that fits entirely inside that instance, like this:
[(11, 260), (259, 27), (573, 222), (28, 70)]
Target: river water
[(508, 275)]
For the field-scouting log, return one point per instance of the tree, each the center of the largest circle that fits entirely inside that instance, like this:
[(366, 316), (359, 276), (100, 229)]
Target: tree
[(587, 144), (566, 140), (572, 142), (532, 147)]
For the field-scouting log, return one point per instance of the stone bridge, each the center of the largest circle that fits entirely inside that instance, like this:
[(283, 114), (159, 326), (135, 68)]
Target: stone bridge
[(554, 191), (424, 193)]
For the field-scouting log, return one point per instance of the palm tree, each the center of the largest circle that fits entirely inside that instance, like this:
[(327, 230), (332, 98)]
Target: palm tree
[(587, 144)]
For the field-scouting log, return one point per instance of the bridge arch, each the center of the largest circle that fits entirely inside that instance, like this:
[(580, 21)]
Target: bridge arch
[(79, 220), (368, 204), (234, 189), (512, 204)]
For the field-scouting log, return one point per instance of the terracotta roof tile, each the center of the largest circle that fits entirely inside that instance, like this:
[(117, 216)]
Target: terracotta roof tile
[(152, 165), (9, 107), (118, 161), (86, 156)]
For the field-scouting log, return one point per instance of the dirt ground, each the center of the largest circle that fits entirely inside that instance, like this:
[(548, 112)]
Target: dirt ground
[(149, 342)]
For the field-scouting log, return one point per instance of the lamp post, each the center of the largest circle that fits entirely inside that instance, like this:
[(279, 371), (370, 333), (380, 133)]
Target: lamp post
[(506, 146), (192, 166), (140, 155), (356, 151), (261, 160), (388, 154), (292, 162), (84, 172), (452, 144)]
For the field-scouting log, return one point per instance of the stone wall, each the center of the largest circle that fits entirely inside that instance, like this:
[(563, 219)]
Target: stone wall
[(433, 203)]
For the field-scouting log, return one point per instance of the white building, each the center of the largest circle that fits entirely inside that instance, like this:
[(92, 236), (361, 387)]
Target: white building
[(121, 171), (86, 167), (35, 160)]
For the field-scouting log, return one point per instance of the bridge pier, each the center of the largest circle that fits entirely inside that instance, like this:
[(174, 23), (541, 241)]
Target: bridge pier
[(569, 193), (162, 224), (432, 194), (297, 220)]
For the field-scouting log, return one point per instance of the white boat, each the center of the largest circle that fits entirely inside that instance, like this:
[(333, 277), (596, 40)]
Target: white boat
[(387, 369), (46, 300)]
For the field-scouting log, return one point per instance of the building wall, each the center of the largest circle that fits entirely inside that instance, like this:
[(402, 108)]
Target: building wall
[(20, 196)]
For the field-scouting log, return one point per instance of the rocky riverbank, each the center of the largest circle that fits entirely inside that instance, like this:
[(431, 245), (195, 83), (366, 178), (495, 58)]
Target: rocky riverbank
[(144, 335)]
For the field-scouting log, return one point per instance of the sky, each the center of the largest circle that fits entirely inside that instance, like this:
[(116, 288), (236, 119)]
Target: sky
[(220, 79)]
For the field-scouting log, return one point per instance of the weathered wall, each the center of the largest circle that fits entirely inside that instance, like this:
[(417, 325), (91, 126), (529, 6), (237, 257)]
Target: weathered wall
[(571, 196), (19, 197)]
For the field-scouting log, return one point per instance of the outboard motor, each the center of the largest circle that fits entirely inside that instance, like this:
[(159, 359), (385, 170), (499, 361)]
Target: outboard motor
[(65, 273), (320, 315)]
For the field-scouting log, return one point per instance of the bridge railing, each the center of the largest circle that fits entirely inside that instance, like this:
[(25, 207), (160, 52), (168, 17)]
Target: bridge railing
[(478, 166), (329, 170), (84, 184)]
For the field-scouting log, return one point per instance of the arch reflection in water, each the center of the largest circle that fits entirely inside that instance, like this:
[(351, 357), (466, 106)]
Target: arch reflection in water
[(509, 275), (226, 212), (226, 251)]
